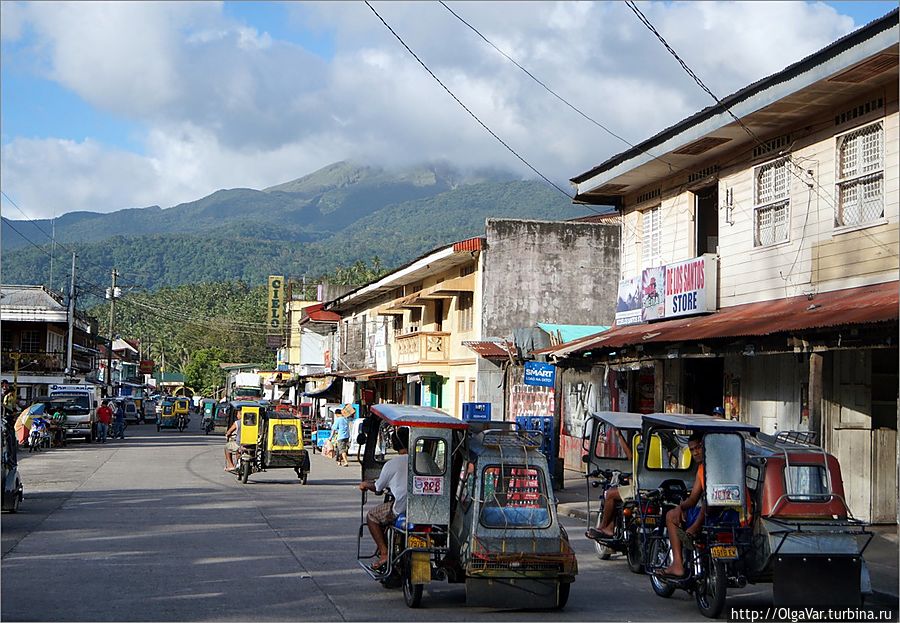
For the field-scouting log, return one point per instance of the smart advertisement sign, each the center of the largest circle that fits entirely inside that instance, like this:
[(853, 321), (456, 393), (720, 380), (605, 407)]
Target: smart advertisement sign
[(691, 286), (540, 374)]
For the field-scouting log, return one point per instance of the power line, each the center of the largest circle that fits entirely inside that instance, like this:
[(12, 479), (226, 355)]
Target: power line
[(557, 95), (464, 107)]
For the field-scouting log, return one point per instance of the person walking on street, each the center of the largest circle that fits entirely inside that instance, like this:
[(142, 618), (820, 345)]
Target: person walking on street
[(340, 434), (10, 404), (104, 417), (119, 424)]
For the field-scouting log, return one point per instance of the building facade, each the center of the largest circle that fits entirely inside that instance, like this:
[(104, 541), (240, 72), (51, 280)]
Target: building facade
[(760, 261)]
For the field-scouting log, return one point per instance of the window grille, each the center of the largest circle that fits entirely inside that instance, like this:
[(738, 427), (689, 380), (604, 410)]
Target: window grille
[(860, 176), (652, 238), (771, 199)]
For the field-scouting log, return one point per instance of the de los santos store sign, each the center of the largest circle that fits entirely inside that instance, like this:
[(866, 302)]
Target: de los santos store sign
[(680, 289)]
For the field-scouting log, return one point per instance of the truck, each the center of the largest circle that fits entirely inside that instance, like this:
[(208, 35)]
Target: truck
[(86, 396), (247, 386)]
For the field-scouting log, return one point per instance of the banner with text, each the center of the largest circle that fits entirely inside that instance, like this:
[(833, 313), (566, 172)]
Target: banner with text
[(276, 310)]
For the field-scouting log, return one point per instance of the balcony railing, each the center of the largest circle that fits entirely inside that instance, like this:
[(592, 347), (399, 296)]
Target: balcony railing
[(423, 347), (30, 363)]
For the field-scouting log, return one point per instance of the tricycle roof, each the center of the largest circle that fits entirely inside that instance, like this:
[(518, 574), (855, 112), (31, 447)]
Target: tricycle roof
[(413, 415), (622, 421), (697, 422)]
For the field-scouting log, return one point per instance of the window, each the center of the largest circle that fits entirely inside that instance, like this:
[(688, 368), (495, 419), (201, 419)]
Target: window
[(806, 482), (771, 203), (652, 238), (31, 341), (860, 176), (56, 343), (415, 319), (345, 334), (363, 333), (466, 306), (467, 270), (430, 457), (514, 496)]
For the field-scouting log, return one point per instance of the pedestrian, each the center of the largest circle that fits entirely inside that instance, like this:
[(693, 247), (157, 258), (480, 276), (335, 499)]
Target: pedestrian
[(9, 403), (232, 445), (104, 417), (119, 424), (340, 434)]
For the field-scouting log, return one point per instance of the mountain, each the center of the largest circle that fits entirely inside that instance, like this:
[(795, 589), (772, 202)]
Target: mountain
[(309, 226)]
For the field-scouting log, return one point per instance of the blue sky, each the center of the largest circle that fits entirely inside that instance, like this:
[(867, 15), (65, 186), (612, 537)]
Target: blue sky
[(200, 96)]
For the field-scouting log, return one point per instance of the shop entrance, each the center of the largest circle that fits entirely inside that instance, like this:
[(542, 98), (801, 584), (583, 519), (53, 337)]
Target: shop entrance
[(704, 384)]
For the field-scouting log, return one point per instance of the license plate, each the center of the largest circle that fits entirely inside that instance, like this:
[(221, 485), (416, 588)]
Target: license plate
[(649, 521), (417, 541), (723, 551)]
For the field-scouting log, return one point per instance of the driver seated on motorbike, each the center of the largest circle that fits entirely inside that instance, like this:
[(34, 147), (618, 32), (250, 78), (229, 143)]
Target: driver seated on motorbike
[(690, 512), (393, 476), (611, 497), (232, 446)]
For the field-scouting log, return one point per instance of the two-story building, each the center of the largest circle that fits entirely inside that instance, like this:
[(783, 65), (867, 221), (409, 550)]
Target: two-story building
[(35, 334), (760, 261)]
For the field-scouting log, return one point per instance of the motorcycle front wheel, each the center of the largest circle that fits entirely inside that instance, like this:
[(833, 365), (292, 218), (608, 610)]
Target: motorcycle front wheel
[(711, 590), (660, 558)]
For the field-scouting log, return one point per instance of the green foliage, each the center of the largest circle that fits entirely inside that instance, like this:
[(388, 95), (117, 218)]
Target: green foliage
[(203, 373)]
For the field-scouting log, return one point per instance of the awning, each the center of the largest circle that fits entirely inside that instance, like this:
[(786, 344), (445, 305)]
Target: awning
[(491, 349), (322, 385), (854, 306), (360, 374)]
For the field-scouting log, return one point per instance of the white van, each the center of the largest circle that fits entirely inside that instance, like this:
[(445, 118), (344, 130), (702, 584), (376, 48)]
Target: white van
[(87, 396)]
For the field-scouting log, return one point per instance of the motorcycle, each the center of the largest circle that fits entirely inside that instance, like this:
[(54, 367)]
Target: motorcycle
[(182, 422), (39, 437)]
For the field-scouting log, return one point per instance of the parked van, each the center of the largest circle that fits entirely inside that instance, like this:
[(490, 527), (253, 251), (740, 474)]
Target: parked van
[(86, 396)]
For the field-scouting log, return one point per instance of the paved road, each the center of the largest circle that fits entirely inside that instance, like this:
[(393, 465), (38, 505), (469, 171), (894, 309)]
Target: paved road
[(152, 529)]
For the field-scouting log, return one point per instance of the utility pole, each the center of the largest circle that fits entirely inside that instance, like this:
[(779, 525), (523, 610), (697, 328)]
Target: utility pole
[(71, 319), (112, 317)]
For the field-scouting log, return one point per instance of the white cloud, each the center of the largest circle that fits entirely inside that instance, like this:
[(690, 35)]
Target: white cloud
[(225, 104)]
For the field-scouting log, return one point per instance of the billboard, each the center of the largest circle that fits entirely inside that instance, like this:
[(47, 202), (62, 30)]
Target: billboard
[(653, 291), (628, 304), (276, 306)]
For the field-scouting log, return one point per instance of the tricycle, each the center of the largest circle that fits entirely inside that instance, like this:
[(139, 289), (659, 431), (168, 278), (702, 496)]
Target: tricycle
[(610, 441), (270, 439), (478, 511), (768, 510)]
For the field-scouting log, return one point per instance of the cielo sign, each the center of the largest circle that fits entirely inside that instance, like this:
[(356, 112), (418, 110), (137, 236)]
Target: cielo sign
[(691, 286), (540, 374), (276, 304)]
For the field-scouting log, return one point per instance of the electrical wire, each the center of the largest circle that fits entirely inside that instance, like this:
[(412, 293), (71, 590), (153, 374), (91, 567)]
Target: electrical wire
[(466, 108), (557, 95)]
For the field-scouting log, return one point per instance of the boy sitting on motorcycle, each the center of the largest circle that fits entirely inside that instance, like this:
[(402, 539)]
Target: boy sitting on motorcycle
[(691, 511)]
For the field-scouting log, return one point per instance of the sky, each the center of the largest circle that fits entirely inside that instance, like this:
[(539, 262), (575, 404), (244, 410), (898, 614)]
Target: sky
[(111, 105)]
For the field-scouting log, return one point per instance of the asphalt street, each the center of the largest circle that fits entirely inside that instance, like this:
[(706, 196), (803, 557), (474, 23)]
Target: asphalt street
[(152, 529)]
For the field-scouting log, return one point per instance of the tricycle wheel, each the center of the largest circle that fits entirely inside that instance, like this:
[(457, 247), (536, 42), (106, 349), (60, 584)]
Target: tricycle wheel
[(711, 591), (245, 471), (412, 593), (303, 478), (634, 554), (157, 428)]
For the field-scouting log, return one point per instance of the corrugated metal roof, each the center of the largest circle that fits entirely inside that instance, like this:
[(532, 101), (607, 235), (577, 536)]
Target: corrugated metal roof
[(490, 349), (315, 313), (571, 332), (472, 244), (854, 306)]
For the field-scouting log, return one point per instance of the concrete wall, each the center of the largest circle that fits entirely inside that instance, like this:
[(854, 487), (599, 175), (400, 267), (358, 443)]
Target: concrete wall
[(548, 271)]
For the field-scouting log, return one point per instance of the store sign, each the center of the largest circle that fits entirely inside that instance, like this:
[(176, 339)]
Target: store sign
[(540, 374), (146, 366), (628, 305), (276, 304), (691, 286)]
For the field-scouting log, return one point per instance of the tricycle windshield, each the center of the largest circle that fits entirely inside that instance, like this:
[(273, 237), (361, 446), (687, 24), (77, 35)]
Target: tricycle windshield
[(514, 496), (667, 451), (611, 443), (724, 469)]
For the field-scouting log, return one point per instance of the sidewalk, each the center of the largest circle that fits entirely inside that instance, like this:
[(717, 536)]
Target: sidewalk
[(881, 555)]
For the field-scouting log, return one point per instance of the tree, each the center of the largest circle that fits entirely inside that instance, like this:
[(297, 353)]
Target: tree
[(203, 373)]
